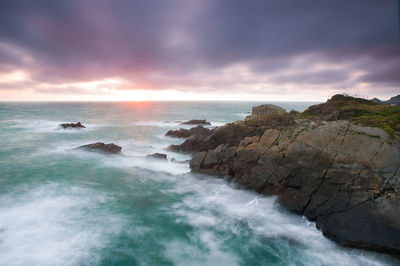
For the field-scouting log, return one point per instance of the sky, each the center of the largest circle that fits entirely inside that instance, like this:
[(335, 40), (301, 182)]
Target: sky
[(134, 50)]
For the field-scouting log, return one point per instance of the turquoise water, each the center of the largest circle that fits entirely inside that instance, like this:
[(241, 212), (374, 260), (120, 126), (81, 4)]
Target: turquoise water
[(60, 206)]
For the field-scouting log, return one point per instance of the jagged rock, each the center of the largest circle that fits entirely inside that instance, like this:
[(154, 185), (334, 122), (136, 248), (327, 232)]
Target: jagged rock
[(322, 171), (185, 133), (157, 155), (231, 134), (72, 125), (110, 148), (321, 164), (196, 122), (326, 171)]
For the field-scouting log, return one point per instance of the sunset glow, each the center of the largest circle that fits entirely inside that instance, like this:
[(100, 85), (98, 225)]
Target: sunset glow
[(126, 51)]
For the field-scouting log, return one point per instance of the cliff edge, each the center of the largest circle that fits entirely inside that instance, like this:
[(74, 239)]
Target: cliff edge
[(326, 163)]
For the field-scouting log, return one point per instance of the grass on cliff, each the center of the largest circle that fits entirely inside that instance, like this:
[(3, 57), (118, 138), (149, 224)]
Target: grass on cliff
[(382, 116), (358, 110)]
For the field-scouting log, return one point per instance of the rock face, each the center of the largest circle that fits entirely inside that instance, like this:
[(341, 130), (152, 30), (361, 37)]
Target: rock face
[(102, 147), (157, 155), (185, 133), (196, 122), (344, 176), (72, 125)]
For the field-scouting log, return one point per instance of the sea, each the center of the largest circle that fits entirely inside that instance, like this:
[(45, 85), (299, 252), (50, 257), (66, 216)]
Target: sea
[(63, 206)]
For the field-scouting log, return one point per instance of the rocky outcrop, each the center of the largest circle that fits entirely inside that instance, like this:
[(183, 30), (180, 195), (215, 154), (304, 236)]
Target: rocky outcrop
[(160, 156), (343, 176), (330, 172), (185, 133), (196, 122), (72, 125), (102, 147), (394, 100), (231, 134), (267, 109)]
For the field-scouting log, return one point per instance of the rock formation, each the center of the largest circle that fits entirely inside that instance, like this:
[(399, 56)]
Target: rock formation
[(72, 125), (110, 148), (157, 155), (185, 133), (196, 122), (343, 175)]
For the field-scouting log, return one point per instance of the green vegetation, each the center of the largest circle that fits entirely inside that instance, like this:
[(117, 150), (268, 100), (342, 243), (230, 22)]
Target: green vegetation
[(382, 116), (358, 110)]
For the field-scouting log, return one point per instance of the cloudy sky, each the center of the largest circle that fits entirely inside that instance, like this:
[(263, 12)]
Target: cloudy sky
[(198, 49)]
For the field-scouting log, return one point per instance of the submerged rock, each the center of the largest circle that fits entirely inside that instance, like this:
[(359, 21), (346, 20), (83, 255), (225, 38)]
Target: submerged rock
[(185, 133), (72, 125), (196, 122), (173, 160), (110, 148), (157, 155)]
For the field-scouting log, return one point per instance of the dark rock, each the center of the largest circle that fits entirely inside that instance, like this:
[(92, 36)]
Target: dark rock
[(196, 122), (72, 125), (185, 133), (157, 155), (320, 164), (110, 148), (372, 225), (321, 170)]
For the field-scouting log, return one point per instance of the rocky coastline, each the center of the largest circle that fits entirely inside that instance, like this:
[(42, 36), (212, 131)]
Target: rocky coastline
[(326, 163)]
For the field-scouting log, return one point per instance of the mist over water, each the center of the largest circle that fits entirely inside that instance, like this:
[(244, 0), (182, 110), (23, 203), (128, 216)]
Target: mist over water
[(60, 206)]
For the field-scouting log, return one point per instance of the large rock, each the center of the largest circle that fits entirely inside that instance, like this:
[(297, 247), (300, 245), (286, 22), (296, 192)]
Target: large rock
[(342, 175), (267, 109), (231, 134), (102, 147), (72, 125), (375, 225)]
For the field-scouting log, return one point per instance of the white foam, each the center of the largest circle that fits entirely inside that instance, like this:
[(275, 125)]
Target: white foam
[(212, 203), (208, 251), (55, 225)]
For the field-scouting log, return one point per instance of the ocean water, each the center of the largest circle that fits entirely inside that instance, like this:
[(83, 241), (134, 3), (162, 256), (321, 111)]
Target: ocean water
[(60, 206)]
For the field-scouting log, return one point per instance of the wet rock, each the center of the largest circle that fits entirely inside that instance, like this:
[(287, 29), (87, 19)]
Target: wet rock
[(321, 170), (185, 133), (72, 125), (373, 225), (110, 148), (196, 122), (319, 163), (157, 155)]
